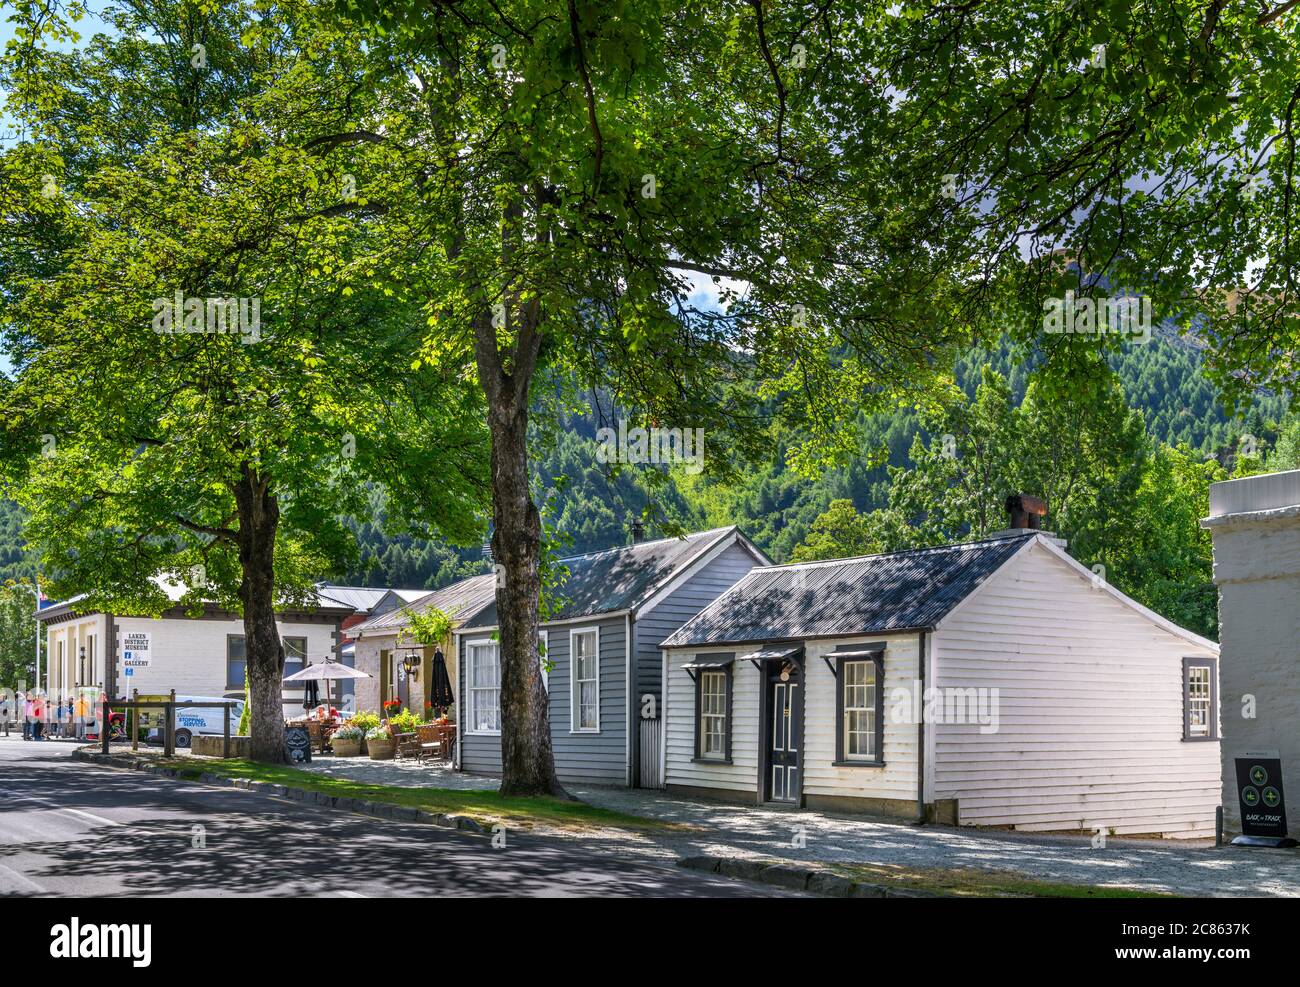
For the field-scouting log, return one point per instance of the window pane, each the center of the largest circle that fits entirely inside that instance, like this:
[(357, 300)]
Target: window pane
[(295, 654), (859, 723), (713, 714), (484, 693), (585, 685), (1199, 704)]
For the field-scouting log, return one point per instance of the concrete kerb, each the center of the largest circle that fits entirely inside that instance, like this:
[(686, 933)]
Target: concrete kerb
[(380, 810), (797, 878)]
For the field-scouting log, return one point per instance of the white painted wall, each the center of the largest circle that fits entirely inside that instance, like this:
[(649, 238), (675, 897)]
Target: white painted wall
[(897, 779), (64, 643), (1091, 710), (188, 655), (679, 728)]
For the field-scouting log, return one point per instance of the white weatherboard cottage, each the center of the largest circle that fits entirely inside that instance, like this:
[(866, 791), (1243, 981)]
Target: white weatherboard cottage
[(1255, 523), (990, 683)]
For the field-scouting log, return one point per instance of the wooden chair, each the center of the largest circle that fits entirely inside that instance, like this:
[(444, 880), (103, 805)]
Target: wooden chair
[(408, 744), (430, 740), (315, 736)]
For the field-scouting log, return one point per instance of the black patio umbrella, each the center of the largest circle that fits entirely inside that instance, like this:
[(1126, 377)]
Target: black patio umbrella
[(311, 698), (440, 694)]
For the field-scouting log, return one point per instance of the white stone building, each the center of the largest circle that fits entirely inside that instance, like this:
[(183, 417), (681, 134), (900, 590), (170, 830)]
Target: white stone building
[(1255, 523)]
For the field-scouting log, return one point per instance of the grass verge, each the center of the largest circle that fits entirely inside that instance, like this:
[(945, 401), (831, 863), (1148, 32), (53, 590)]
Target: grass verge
[(487, 807), (975, 882)]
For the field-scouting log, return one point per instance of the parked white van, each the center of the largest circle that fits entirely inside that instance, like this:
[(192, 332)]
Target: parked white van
[(201, 721)]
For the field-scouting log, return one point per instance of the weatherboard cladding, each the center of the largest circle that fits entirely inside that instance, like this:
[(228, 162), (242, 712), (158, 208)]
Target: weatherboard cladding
[(619, 579), (613, 582), (586, 757), (874, 594)]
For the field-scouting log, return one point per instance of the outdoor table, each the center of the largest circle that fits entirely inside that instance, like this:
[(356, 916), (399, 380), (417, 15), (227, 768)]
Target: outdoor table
[(447, 737)]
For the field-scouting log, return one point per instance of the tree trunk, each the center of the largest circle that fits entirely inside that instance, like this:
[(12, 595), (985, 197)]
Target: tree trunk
[(527, 761), (259, 517)]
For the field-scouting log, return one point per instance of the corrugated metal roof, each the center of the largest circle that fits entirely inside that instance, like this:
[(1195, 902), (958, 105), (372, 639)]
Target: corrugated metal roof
[(458, 600), (869, 595), (315, 600), (620, 578), (362, 599)]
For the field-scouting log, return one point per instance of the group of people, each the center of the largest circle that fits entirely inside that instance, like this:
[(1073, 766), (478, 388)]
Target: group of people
[(44, 717)]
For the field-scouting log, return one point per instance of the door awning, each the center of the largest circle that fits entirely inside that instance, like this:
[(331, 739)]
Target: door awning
[(774, 652), (709, 661), (858, 651)]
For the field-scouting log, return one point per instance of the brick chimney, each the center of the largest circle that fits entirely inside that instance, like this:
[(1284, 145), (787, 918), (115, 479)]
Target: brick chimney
[(1024, 511), (638, 529)]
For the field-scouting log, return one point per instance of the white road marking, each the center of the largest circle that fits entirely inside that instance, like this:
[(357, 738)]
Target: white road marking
[(27, 882), (350, 894), (103, 820)]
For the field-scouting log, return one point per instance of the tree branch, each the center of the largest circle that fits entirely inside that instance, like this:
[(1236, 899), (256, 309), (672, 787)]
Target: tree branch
[(1276, 12), (221, 534), (576, 31)]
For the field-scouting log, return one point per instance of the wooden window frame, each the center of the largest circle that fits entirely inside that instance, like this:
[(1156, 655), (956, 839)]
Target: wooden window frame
[(470, 710), (841, 759), (231, 685), (728, 678), (575, 682), (1213, 665)]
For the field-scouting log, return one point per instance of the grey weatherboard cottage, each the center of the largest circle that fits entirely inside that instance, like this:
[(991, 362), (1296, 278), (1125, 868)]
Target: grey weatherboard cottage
[(617, 607)]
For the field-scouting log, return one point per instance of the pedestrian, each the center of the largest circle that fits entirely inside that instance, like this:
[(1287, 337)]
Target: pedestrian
[(38, 713), (79, 716), (25, 710), (69, 719)]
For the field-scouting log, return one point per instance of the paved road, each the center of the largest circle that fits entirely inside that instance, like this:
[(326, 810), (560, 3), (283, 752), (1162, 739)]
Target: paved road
[(69, 828)]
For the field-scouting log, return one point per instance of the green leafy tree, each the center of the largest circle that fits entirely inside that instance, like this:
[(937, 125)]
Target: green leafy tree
[(584, 168), (1163, 557), (1286, 454), (193, 154), (840, 532), (18, 633)]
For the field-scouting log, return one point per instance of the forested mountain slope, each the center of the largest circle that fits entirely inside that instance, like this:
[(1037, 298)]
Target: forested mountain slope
[(591, 507)]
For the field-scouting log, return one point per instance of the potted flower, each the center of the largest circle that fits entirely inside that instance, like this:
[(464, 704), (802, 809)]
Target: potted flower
[(404, 722), (347, 739), (366, 720), (392, 707), (380, 744)]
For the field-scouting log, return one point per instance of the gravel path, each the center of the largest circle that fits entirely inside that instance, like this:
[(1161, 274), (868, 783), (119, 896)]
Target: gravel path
[(1194, 868), (405, 773)]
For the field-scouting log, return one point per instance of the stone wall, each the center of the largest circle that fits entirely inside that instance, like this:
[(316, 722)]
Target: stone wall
[(1257, 569)]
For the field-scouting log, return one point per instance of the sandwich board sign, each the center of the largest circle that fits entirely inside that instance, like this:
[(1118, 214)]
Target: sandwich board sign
[(1262, 804)]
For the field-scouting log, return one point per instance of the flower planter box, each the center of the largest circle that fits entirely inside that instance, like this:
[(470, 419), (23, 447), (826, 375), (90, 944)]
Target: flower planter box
[(346, 748), (380, 750)]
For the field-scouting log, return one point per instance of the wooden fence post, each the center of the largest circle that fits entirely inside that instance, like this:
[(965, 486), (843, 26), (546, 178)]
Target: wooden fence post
[(103, 727), (225, 730), (169, 740)]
